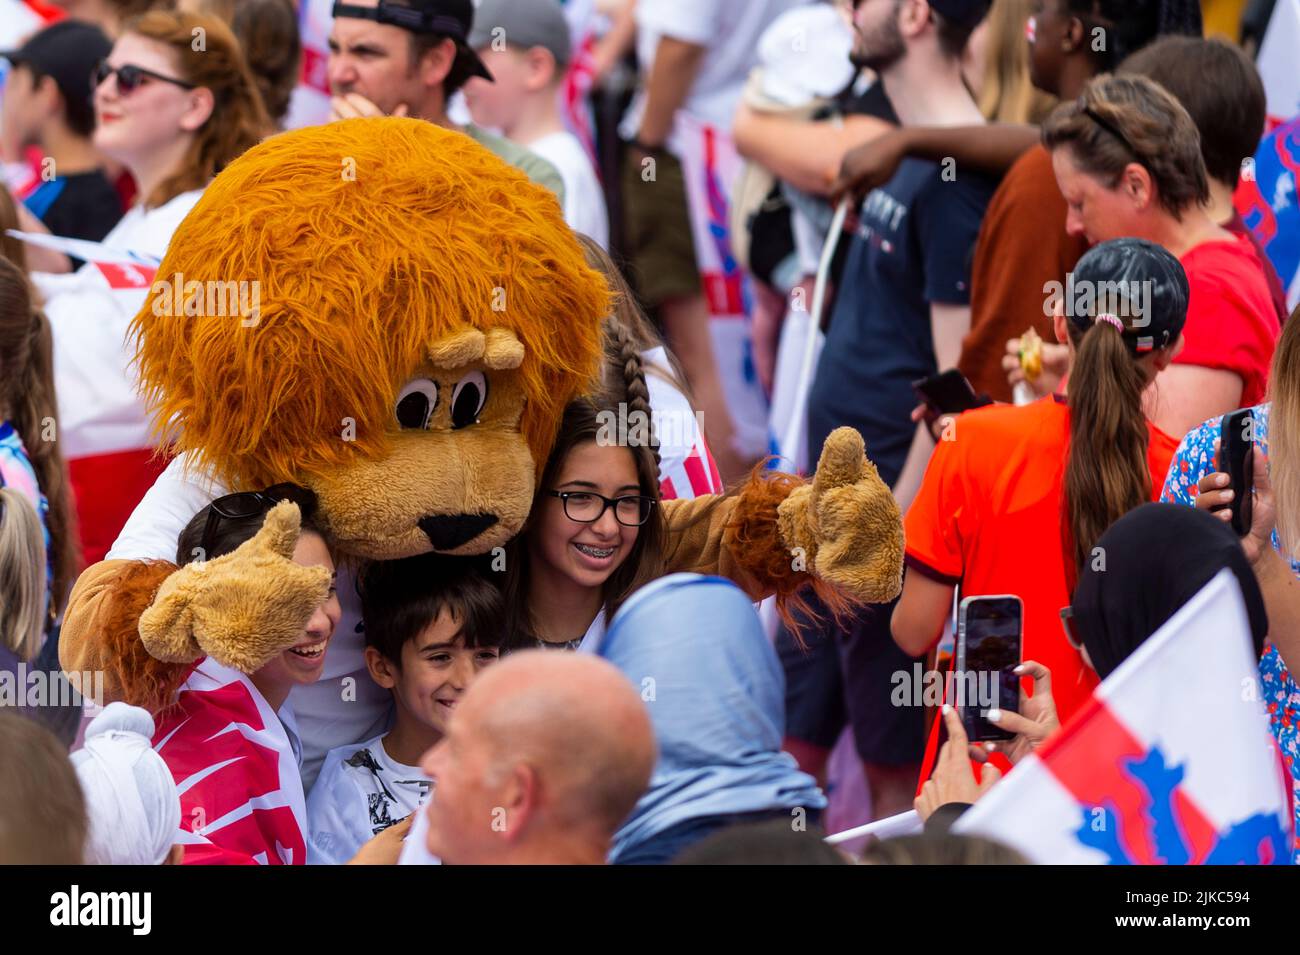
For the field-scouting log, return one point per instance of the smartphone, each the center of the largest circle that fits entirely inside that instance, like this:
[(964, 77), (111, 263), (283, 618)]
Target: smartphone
[(1237, 460), (947, 393), (989, 632)]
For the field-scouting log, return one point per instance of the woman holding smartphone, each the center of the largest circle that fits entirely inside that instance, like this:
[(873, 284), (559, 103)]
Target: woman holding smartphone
[(1016, 497)]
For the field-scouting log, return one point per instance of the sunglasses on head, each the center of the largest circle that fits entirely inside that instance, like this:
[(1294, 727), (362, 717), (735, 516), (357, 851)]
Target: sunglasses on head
[(248, 504), (130, 78)]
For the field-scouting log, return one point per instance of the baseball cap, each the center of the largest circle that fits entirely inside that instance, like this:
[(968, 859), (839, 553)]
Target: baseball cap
[(67, 52), (451, 18), (523, 23), (1135, 278), (965, 12)]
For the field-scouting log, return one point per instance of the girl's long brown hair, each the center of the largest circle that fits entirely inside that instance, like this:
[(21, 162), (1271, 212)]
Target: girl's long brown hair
[(1106, 472), (1284, 433), (238, 118), (27, 397), (1008, 94)]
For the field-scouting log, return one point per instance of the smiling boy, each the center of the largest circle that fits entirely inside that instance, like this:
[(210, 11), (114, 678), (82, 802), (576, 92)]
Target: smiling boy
[(431, 623)]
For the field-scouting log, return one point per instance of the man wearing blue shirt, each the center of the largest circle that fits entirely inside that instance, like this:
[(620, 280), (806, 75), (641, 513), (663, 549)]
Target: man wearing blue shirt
[(900, 314)]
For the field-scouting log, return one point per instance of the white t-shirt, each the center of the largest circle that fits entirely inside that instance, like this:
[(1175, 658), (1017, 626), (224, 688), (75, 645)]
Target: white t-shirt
[(584, 202), (730, 29), (360, 792), (100, 410)]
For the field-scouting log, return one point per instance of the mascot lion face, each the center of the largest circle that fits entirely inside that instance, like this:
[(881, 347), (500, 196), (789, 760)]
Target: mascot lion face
[(420, 316)]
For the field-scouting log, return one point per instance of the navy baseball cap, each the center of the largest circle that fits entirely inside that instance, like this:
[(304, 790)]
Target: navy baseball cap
[(67, 52), (965, 12), (1141, 281), (451, 18)]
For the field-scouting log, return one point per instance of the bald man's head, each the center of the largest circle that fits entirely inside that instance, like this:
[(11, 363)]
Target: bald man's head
[(545, 757)]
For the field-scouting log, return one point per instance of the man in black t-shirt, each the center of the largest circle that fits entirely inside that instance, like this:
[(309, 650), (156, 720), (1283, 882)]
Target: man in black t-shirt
[(47, 105)]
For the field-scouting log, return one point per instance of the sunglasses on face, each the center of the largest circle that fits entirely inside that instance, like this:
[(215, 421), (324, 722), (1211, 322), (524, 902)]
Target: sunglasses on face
[(131, 78), (1071, 628), (248, 504), (587, 507)]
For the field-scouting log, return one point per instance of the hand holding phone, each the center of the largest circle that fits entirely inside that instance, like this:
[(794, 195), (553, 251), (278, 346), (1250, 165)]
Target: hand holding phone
[(947, 393), (989, 637), (1236, 459)]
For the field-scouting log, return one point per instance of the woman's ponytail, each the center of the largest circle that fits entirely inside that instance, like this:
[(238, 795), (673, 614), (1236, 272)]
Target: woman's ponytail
[(627, 359), (1106, 472)]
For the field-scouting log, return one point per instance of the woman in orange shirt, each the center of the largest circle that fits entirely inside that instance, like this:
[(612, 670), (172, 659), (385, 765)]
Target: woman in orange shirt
[(1016, 497)]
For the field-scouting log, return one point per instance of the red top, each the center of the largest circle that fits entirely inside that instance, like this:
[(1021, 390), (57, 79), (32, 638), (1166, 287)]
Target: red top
[(1237, 226), (988, 516), (1232, 324)]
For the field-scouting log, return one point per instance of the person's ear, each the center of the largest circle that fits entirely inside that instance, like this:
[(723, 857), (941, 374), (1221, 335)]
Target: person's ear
[(1074, 35), (199, 109), (542, 68), (435, 66), (1137, 185), (46, 92), (913, 15), (1060, 326), (381, 670), (519, 801)]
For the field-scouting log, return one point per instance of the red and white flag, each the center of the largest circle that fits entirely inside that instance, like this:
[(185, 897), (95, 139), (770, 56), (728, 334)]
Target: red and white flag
[(1171, 762), (242, 800)]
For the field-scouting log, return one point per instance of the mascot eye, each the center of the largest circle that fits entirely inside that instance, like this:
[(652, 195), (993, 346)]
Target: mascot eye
[(415, 403), (467, 399)]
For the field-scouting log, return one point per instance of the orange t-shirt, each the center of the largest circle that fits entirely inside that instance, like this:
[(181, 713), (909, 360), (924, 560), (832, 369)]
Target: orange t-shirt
[(1022, 246), (988, 517)]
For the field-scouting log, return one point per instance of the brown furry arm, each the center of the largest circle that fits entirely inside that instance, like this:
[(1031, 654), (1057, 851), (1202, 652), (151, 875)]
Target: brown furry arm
[(101, 632)]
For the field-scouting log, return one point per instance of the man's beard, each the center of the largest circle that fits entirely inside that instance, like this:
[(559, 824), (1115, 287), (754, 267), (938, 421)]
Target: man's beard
[(882, 50)]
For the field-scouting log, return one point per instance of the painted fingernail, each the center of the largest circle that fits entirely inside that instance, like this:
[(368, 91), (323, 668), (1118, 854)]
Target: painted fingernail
[(946, 709), (989, 746), (1226, 495), (1221, 479), (1020, 668), (995, 716)]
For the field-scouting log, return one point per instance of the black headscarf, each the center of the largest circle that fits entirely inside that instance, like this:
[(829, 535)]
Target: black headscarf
[(1157, 557)]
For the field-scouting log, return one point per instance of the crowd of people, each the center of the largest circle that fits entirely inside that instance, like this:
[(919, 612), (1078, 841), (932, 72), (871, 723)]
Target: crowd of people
[(1038, 194)]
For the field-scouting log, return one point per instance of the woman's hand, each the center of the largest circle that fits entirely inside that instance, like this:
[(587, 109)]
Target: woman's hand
[(1056, 360), (1036, 721), (1215, 494), (386, 847), (953, 780)]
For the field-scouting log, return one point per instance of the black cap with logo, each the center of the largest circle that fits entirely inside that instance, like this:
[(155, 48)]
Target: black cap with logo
[(450, 18)]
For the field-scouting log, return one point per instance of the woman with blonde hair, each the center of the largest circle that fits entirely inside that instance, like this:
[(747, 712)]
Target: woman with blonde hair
[(174, 103), (1006, 93), (22, 579)]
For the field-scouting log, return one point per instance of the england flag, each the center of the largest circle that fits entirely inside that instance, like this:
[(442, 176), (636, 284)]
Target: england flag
[(1171, 762)]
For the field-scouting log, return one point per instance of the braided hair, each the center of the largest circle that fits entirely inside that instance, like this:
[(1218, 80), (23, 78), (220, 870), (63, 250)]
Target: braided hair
[(625, 365)]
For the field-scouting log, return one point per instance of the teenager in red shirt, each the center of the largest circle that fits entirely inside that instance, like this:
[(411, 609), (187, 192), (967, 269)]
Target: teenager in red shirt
[(1015, 497)]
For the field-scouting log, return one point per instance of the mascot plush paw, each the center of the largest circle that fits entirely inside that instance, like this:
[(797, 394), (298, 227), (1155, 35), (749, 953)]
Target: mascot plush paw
[(243, 608)]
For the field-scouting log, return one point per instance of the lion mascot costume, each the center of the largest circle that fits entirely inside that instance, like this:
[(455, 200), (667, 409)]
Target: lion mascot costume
[(423, 317)]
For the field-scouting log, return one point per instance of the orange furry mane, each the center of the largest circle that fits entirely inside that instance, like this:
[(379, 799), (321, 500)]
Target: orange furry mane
[(368, 239)]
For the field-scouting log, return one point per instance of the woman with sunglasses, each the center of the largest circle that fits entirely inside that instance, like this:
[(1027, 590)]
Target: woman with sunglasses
[(596, 532), (1015, 498), (1127, 158), (174, 103)]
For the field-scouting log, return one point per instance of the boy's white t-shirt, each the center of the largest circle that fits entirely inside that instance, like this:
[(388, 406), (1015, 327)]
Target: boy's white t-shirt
[(360, 792), (728, 29), (584, 202)]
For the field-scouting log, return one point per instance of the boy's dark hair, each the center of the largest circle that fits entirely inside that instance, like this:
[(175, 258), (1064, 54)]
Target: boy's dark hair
[(1220, 89), (400, 598)]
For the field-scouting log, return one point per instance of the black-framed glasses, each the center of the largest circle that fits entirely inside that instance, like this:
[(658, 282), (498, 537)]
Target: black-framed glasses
[(587, 507), (130, 77), (1071, 628), (248, 504)]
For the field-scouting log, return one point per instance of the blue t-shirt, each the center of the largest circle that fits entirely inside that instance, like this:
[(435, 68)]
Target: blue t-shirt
[(912, 247)]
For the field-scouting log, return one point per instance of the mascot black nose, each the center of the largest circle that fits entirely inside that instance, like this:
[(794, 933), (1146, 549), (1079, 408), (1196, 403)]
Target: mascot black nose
[(449, 531)]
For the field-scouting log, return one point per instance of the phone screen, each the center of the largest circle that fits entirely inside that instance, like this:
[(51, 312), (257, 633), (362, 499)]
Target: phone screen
[(988, 653), (947, 392)]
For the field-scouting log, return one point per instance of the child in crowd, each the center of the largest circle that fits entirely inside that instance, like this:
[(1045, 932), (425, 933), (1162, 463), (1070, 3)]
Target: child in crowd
[(596, 532), (526, 46), (431, 624), (228, 735)]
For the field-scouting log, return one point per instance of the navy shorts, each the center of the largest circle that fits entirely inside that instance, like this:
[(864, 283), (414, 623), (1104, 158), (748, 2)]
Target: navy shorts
[(848, 677)]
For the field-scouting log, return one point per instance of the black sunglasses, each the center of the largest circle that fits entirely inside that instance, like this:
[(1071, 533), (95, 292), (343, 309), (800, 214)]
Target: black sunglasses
[(247, 504), (130, 78), (587, 507), (1071, 628)]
